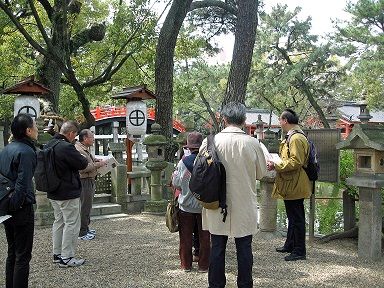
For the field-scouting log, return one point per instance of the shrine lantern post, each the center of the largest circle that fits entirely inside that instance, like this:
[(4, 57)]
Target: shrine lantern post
[(136, 118)]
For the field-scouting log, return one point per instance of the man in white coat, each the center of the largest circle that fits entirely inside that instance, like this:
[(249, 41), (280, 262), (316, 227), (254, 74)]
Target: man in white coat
[(244, 162)]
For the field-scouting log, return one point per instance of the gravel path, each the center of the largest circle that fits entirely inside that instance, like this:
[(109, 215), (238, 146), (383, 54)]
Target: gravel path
[(138, 251)]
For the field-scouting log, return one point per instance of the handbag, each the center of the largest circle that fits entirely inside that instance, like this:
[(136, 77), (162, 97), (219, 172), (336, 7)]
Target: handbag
[(172, 215), (6, 188)]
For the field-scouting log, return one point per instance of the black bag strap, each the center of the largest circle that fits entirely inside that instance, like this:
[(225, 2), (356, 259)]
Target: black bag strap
[(223, 193)]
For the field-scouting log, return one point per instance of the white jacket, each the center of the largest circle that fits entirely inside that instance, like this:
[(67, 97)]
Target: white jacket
[(244, 162)]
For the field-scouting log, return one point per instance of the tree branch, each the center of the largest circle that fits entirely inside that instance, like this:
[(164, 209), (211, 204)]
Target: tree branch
[(209, 3), (213, 116), (108, 72), (23, 31), (47, 7), (40, 26), (95, 33)]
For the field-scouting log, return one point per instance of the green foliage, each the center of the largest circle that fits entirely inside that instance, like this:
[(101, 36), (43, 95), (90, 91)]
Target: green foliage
[(361, 41), (290, 66), (187, 101), (346, 170)]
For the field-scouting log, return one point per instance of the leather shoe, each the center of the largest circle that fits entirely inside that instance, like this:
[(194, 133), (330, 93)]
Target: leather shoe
[(282, 250), (294, 257)]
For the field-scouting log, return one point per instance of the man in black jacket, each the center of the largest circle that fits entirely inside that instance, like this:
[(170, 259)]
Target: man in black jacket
[(18, 163), (66, 199)]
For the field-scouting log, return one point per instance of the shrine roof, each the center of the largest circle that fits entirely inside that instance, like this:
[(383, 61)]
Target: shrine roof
[(28, 86), (140, 92)]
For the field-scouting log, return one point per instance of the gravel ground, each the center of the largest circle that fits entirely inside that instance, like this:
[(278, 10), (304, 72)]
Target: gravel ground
[(138, 251)]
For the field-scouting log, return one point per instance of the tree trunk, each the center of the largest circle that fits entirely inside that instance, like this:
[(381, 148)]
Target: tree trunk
[(245, 36), (49, 74), (164, 65)]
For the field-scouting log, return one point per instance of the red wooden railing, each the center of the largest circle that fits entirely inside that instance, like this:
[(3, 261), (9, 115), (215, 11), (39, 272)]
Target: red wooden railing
[(120, 111)]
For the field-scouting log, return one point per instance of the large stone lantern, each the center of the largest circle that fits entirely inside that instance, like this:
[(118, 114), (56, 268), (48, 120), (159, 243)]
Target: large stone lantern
[(367, 141), (156, 163)]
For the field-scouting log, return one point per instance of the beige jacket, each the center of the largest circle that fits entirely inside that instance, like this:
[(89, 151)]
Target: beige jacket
[(244, 162), (291, 180), (91, 170)]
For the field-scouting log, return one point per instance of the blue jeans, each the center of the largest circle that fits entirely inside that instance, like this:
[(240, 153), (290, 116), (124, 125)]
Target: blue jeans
[(19, 231), (216, 273)]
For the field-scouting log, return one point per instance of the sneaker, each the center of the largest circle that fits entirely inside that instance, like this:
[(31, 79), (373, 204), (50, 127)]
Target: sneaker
[(56, 258), (91, 231), (202, 271), (70, 262), (86, 237)]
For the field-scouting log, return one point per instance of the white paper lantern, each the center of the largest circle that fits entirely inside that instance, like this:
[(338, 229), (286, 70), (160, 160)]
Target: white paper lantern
[(27, 104), (136, 118)]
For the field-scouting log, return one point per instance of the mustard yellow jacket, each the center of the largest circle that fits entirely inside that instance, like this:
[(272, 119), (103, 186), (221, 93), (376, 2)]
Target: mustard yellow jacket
[(291, 181)]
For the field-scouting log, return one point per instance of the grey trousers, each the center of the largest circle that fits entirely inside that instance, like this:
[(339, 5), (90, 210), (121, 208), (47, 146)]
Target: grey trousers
[(86, 198)]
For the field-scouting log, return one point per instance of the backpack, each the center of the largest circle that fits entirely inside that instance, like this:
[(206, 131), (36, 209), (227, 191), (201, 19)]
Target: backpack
[(46, 174), (6, 188), (208, 179), (312, 169)]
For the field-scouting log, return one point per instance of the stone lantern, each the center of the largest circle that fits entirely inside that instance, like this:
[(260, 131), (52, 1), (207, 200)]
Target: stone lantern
[(268, 205), (156, 163), (259, 127), (27, 102), (367, 141)]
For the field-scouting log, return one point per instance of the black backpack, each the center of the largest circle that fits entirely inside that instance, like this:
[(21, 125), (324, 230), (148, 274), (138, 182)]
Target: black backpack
[(312, 169), (208, 179), (47, 178)]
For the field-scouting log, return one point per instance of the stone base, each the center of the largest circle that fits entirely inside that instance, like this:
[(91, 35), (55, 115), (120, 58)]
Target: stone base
[(156, 207), (135, 203), (44, 218)]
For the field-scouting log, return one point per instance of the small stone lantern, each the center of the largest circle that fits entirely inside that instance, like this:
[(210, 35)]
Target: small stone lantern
[(156, 163), (259, 127), (367, 141)]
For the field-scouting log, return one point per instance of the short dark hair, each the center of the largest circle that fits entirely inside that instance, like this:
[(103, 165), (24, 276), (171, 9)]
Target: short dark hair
[(234, 113), (290, 115), (83, 133), (20, 124)]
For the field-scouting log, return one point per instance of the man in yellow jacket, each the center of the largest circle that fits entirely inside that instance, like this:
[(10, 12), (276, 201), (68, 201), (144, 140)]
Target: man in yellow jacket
[(292, 184)]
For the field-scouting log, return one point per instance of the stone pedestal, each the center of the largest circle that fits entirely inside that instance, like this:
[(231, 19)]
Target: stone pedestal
[(369, 223), (156, 185), (156, 204), (349, 211), (44, 212), (268, 210), (370, 213), (119, 184)]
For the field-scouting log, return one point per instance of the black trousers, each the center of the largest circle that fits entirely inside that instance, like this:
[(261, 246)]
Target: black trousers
[(296, 226), (216, 272), (19, 232)]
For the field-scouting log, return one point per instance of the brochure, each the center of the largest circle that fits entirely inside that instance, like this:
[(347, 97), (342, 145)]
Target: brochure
[(5, 217), (111, 163)]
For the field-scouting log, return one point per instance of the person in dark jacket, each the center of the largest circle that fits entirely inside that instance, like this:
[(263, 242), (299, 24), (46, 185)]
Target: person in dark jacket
[(66, 199), (18, 163)]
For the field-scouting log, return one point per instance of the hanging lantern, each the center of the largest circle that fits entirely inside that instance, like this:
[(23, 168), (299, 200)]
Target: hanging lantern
[(136, 119), (27, 104)]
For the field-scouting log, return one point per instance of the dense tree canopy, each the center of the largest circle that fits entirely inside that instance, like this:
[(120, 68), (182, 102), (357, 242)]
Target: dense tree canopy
[(63, 36), (361, 42)]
